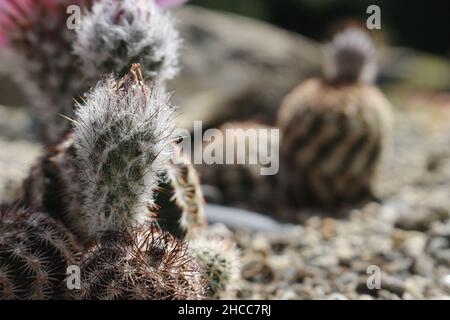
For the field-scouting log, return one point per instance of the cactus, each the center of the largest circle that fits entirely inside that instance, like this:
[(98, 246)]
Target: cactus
[(220, 261), (241, 185), (335, 129), (115, 163), (123, 137), (116, 34), (38, 40), (35, 251), (54, 185), (179, 200), (140, 264)]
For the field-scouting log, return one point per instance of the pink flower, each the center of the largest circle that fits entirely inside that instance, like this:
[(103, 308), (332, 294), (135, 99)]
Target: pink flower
[(169, 3), (23, 15)]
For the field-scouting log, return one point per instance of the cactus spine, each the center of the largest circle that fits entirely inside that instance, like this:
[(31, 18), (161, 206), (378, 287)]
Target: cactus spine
[(335, 129), (35, 251), (144, 264), (116, 34), (123, 137)]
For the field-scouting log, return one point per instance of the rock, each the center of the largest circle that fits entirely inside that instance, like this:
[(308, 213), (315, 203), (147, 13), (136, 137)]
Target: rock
[(414, 246), (16, 158), (257, 271), (424, 266), (415, 286), (392, 284), (336, 296), (16, 123), (235, 67)]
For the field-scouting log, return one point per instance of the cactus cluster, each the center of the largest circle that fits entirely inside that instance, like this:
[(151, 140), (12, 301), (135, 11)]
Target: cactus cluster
[(114, 177), (35, 251), (110, 180), (57, 65)]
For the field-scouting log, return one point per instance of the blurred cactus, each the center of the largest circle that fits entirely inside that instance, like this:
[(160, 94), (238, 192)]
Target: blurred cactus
[(116, 34), (220, 261), (351, 57), (123, 137), (180, 203), (38, 40), (335, 130), (35, 252), (140, 265), (241, 185)]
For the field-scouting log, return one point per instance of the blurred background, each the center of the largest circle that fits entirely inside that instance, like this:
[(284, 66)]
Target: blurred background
[(414, 24)]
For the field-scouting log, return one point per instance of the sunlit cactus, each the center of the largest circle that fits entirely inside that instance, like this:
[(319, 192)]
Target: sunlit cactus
[(116, 34), (118, 169), (123, 137), (35, 251), (220, 261), (39, 42), (335, 129), (142, 264)]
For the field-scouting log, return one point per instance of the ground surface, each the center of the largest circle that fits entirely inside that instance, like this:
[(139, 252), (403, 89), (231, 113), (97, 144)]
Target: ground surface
[(407, 235)]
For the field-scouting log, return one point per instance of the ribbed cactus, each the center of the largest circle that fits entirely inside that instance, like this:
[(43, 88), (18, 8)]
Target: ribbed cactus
[(334, 130), (107, 174), (123, 137), (116, 34), (179, 201), (54, 185), (142, 264), (35, 252), (38, 39), (220, 261), (241, 185)]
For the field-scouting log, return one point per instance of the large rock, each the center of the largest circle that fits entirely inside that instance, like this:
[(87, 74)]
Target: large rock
[(235, 67)]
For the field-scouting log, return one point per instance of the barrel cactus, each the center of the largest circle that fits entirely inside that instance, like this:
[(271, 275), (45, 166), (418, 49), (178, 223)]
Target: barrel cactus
[(335, 129), (35, 251)]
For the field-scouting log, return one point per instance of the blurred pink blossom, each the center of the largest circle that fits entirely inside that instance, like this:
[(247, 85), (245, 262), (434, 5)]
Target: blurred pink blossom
[(169, 3), (22, 14)]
